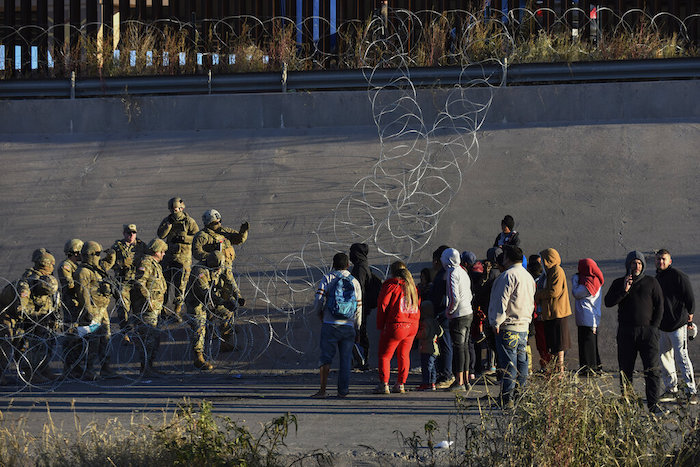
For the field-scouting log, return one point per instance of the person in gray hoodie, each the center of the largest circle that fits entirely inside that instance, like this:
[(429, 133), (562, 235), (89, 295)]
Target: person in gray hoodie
[(459, 314), (510, 312)]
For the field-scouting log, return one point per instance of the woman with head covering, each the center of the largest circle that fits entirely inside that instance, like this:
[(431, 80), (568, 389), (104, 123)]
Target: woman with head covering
[(556, 308), (586, 288)]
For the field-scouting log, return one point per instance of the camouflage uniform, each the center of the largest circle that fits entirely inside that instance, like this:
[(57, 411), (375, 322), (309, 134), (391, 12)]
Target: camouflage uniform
[(13, 305), (218, 238), (126, 257), (94, 290), (148, 297), (72, 344), (178, 230), (212, 293), (40, 317)]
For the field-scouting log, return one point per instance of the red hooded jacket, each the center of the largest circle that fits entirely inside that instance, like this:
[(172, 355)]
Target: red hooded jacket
[(391, 305)]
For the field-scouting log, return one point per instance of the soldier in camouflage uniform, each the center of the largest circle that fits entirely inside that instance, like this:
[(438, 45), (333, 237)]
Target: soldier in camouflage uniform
[(72, 344), (94, 290), (40, 318), (16, 305), (215, 237), (128, 252), (148, 297), (178, 230), (10, 310), (212, 293)]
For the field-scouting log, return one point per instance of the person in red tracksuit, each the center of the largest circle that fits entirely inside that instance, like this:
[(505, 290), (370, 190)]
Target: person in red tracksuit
[(398, 316)]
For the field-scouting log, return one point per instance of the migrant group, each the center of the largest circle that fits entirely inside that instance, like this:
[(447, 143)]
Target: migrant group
[(37, 311), (473, 317)]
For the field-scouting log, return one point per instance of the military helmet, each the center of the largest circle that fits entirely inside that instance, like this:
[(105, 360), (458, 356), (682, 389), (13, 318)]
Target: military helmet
[(157, 245), (36, 254), (215, 259), (73, 247), (175, 203), (44, 260), (90, 248), (210, 215)]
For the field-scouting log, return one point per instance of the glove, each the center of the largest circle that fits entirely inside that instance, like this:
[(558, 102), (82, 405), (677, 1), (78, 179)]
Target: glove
[(241, 301), (105, 288), (244, 227)]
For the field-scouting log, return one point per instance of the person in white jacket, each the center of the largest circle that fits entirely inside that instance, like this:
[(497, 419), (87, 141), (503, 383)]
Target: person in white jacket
[(586, 287), (510, 312), (459, 313)]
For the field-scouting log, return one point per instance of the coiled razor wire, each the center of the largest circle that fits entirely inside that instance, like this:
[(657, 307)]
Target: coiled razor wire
[(428, 38), (395, 208)]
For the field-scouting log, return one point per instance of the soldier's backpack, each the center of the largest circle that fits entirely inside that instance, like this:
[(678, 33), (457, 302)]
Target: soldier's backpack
[(341, 301)]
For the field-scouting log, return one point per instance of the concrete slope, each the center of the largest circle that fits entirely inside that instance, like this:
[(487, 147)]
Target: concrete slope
[(589, 191), (585, 188)]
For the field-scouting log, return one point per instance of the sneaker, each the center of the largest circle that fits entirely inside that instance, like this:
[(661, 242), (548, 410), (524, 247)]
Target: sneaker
[(505, 404), (659, 411), (382, 388), (669, 396), (446, 383), (432, 387), (425, 387), (398, 389), (454, 387), (692, 399)]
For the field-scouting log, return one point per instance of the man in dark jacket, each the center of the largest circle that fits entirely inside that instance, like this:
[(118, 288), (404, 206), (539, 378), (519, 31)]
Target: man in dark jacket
[(363, 274), (679, 304), (640, 306)]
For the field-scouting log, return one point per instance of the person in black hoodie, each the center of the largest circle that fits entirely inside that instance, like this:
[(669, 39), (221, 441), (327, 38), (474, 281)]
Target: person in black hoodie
[(640, 306), (679, 304), (363, 274)]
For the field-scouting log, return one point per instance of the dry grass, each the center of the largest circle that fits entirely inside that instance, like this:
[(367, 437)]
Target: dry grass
[(443, 39), (192, 436), (567, 421)]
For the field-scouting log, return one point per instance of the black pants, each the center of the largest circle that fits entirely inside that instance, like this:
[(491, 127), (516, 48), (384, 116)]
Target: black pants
[(459, 331), (588, 356), (645, 341), (363, 338)]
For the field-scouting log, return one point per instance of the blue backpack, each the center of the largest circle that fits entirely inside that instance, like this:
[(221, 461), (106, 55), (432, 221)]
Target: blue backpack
[(341, 301)]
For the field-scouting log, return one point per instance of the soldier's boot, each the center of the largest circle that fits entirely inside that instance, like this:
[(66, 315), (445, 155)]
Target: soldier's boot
[(151, 357), (200, 363), (177, 310), (227, 344)]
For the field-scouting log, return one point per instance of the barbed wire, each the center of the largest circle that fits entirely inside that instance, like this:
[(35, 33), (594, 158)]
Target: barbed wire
[(428, 38), (395, 207)]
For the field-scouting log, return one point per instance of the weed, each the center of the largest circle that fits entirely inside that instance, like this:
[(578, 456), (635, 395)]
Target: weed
[(192, 436)]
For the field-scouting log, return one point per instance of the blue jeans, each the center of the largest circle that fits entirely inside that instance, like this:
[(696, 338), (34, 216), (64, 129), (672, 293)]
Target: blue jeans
[(444, 360), (512, 357), (427, 367), (343, 337)]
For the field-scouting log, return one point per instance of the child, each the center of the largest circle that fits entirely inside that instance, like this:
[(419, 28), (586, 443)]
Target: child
[(428, 333)]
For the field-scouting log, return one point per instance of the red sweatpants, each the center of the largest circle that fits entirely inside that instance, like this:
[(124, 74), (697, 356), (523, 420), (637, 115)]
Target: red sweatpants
[(396, 337)]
